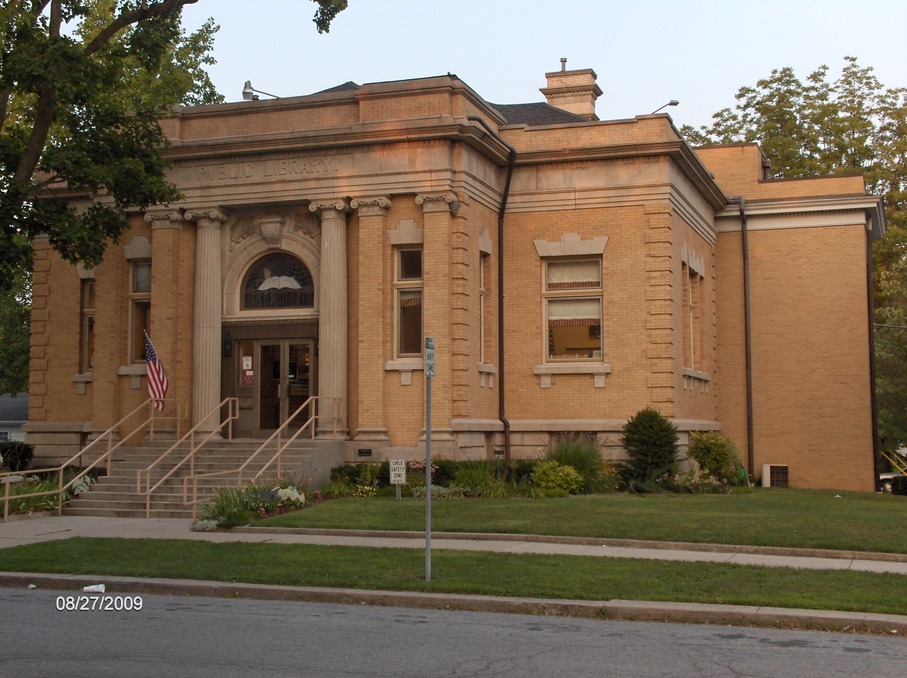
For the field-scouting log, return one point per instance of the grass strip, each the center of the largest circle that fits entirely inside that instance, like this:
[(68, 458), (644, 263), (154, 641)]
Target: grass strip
[(497, 574), (825, 519)]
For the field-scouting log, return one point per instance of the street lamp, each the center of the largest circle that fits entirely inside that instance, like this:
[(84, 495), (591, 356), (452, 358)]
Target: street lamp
[(672, 102), (248, 92)]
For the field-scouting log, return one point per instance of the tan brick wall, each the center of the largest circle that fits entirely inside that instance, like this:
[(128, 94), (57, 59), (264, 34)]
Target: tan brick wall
[(738, 171), (810, 353)]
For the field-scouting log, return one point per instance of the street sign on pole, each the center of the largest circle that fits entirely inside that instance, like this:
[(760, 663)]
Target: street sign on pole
[(429, 373), (429, 357)]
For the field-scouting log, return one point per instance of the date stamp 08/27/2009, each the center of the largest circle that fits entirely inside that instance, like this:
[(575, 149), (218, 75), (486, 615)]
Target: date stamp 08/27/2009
[(99, 603)]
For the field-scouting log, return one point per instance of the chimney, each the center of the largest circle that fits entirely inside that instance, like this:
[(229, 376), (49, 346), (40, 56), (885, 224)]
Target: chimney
[(573, 91)]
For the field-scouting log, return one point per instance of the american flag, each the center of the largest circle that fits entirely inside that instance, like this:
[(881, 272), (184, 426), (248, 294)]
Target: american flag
[(157, 376)]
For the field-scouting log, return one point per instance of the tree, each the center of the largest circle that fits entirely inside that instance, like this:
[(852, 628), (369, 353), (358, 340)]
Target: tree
[(853, 124), (82, 86), (650, 440), (15, 311)]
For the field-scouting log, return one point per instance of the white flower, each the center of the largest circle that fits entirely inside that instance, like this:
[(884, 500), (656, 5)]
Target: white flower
[(290, 495)]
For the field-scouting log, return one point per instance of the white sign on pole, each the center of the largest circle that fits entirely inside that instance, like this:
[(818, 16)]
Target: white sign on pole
[(429, 357), (398, 471)]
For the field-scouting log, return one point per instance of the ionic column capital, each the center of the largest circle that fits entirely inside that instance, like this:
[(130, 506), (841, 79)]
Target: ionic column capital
[(339, 205), (164, 219), (438, 202), (371, 207), (211, 215)]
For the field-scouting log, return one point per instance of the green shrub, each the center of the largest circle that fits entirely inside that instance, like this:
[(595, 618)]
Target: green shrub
[(550, 475), (228, 508), (583, 455), (521, 469), (716, 455), (16, 455), (554, 493), (651, 444), (337, 489)]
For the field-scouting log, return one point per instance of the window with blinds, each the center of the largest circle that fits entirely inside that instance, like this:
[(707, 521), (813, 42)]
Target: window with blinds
[(573, 309)]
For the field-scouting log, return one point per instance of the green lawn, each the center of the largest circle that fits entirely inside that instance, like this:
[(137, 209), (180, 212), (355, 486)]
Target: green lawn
[(763, 517), (498, 574)]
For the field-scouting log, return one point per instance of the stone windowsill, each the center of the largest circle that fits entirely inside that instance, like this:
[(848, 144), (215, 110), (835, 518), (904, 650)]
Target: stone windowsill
[(695, 374), (80, 380), (406, 367), (136, 372), (597, 370)]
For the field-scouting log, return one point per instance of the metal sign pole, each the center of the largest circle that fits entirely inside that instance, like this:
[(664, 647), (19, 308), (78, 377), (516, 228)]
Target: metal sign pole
[(429, 373)]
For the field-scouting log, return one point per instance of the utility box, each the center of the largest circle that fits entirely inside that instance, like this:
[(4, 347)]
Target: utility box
[(774, 475)]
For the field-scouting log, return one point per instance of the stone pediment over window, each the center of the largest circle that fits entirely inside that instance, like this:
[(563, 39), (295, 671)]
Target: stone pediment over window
[(571, 245)]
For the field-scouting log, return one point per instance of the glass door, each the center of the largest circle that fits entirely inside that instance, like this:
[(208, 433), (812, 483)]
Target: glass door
[(284, 382)]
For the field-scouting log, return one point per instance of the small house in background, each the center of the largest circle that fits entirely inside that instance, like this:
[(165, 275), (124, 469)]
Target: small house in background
[(13, 415)]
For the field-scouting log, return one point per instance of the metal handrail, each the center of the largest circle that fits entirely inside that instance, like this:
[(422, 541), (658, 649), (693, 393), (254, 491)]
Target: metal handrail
[(232, 415), (107, 436), (896, 462), (276, 458)]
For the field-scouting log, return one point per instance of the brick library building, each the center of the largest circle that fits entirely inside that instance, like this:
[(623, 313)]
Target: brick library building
[(570, 271)]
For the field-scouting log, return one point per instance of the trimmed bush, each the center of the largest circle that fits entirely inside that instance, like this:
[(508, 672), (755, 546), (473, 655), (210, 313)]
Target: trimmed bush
[(716, 455), (16, 455), (582, 454), (550, 475), (651, 444)]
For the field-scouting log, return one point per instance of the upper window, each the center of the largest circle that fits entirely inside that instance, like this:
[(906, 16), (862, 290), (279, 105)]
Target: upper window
[(278, 281), (692, 284), (140, 309), (573, 309), (86, 336), (408, 286)]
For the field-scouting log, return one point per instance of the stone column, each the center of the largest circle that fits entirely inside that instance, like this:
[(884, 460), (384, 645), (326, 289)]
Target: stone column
[(371, 423), (206, 358), (332, 320), (438, 210)]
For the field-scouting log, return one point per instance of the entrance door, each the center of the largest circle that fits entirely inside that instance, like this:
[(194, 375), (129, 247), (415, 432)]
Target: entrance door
[(284, 382)]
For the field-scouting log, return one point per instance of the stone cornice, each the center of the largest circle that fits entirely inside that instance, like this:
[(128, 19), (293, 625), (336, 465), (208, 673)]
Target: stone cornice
[(678, 151), (443, 127)]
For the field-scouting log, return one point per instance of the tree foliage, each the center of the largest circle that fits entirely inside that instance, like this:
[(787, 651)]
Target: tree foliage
[(852, 124), (83, 84), (650, 440)]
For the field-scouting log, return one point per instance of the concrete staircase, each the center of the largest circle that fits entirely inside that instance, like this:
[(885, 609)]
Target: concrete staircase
[(115, 495)]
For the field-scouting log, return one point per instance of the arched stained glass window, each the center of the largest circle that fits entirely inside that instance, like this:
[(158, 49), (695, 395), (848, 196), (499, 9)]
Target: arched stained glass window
[(278, 281)]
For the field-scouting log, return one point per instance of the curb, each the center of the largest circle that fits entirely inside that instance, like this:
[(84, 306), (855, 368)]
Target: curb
[(622, 610)]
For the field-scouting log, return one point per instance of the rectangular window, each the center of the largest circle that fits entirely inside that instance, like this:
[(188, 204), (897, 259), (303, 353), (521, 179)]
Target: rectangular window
[(573, 309), (140, 309), (484, 265), (408, 288), (691, 289), (86, 335), (4, 435)]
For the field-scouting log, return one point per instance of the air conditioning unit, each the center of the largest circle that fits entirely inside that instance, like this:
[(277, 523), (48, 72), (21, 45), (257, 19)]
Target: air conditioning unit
[(774, 475)]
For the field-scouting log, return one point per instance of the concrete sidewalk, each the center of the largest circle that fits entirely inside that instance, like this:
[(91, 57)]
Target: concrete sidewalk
[(50, 528), (40, 529)]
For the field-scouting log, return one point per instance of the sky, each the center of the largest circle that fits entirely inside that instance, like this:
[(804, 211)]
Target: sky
[(644, 52)]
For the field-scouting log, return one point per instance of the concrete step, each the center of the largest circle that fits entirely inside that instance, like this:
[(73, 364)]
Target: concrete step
[(115, 494)]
